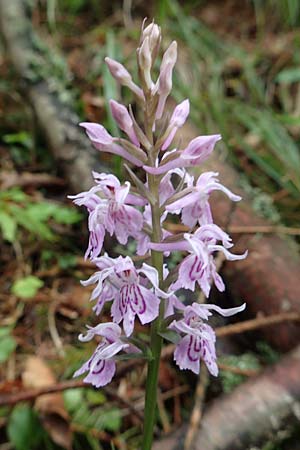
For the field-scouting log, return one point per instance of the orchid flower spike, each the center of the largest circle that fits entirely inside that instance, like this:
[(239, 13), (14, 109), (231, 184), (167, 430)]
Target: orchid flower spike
[(148, 287)]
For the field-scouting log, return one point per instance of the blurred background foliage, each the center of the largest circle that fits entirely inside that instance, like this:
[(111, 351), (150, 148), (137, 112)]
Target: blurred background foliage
[(239, 66)]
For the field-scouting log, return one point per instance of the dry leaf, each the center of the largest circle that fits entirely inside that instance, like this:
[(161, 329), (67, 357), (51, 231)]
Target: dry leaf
[(74, 302), (49, 406)]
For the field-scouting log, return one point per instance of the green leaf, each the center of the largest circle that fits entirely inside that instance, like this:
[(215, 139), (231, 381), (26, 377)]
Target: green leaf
[(170, 336), (40, 211), (111, 420), (14, 194), (73, 398), (4, 331), (27, 287), (7, 343), (247, 361), (269, 355), (66, 215), (22, 138), (95, 397), (67, 260), (24, 429), (128, 356), (288, 119), (31, 222), (287, 76), (8, 226)]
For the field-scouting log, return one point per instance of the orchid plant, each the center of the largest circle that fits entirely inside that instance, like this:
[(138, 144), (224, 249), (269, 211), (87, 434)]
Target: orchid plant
[(160, 185)]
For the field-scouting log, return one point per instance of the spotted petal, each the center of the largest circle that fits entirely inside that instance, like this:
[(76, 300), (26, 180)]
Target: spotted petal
[(187, 354)]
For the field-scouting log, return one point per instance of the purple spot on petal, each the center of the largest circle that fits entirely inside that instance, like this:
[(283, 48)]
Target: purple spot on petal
[(194, 348), (141, 303), (99, 367), (193, 267)]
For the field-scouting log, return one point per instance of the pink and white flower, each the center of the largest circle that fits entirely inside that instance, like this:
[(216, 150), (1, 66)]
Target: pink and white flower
[(122, 219), (194, 206), (101, 367), (127, 287), (198, 341), (199, 267), (109, 211)]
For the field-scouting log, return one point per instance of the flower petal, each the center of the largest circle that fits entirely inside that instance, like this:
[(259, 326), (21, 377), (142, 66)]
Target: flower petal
[(102, 373), (226, 312), (230, 256), (128, 322), (147, 304), (187, 354), (97, 133)]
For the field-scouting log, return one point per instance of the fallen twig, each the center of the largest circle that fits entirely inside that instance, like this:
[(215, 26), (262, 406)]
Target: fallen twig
[(11, 179), (113, 394), (258, 322), (163, 413), (99, 434), (32, 394), (243, 229), (197, 412), (264, 229), (53, 331)]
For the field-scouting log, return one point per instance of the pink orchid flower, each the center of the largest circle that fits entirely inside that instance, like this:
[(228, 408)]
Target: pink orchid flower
[(199, 338)]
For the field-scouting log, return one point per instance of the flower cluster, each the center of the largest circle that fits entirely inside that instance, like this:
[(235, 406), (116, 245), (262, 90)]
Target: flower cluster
[(139, 210)]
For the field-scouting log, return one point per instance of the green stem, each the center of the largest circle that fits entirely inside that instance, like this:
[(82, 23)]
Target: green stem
[(156, 340)]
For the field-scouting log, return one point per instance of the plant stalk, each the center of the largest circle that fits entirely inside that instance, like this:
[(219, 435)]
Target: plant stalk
[(156, 340)]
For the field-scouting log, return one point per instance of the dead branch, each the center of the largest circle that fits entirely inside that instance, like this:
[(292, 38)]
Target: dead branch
[(25, 179), (264, 229), (197, 412), (32, 394), (256, 411), (258, 322), (55, 117), (242, 229)]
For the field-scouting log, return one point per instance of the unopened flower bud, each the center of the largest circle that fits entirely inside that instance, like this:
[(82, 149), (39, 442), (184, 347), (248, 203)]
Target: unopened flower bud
[(180, 114), (145, 62), (164, 82), (122, 76), (123, 119), (170, 57), (153, 32), (118, 71), (177, 120), (164, 89)]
